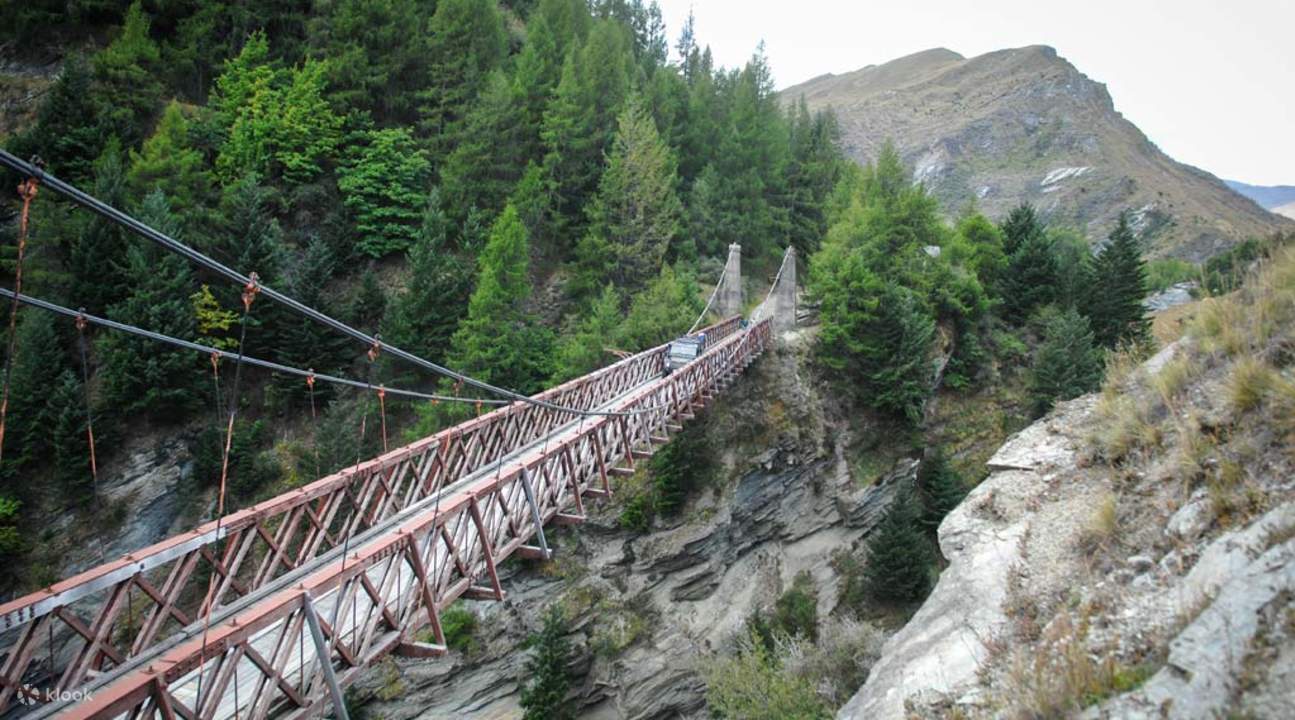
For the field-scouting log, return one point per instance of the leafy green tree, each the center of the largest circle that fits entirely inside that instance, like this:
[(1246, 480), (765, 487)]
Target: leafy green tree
[(384, 180), (38, 363), (466, 40), (1066, 365), (636, 215), (425, 313), (899, 555), (813, 169), (548, 670), (664, 310), (369, 303), (1119, 287), (581, 121), (583, 346), (278, 123), (941, 488), (753, 685), (139, 376), (499, 341), (978, 245), (126, 78), (167, 162)]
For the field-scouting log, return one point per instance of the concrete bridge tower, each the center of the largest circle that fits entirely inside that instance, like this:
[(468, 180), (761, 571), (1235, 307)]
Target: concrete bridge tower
[(729, 302)]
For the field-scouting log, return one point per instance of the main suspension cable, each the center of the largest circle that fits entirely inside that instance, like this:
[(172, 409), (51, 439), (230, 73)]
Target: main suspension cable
[(101, 208)]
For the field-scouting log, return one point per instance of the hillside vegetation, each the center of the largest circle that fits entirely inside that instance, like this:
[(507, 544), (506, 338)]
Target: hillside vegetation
[(511, 189)]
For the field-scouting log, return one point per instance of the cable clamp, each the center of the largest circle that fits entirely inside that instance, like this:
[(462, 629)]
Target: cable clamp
[(80, 320), (375, 349), (250, 291), (310, 378)]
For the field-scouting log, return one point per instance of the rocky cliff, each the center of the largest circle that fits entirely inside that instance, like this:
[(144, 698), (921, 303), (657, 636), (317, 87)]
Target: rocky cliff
[(1026, 125), (1131, 555), (647, 609)]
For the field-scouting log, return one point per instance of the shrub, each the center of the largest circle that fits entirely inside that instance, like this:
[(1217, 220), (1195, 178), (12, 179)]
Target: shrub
[(459, 624), (752, 685)]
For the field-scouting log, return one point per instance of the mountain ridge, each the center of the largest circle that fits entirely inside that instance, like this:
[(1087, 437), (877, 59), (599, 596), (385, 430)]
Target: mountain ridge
[(1024, 124)]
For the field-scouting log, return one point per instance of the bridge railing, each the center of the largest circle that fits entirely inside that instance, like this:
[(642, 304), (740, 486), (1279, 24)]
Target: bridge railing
[(100, 618), (287, 651)]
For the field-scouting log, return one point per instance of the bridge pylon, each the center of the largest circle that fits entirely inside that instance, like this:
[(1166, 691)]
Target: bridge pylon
[(729, 302)]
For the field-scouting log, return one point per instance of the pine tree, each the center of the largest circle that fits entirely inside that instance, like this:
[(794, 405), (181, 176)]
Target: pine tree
[(384, 181), (126, 79), (499, 341), (1066, 365), (309, 344), (544, 697), (636, 214), (581, 121), (95, 253), (979, 246), (1120, 284), (1031, 278), (491, 155), (67, 133), (813, 170), (899, 556), (369, 304), (466, 41), (427, 310), (167, 162), (70, 444), (942, 489), (137, 374), (377, 55), (664, 310), (1022, 225), (553, 28), (38, 362)]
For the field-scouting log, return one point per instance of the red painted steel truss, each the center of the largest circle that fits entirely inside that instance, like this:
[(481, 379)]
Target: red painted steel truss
[(374, 553)]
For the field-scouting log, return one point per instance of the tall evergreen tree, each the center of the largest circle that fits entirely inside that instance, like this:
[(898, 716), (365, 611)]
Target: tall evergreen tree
[(979, 245), (499, 341), (491, 155), (377, 55), (583, 346), (71, 446), (1031, 279), (1120, 285), (68, 132), (466, 40), (636, 215), (552, 30), (664, 310), (942, 489), (138, 376), (899, 562), (95, 255), (39, 360), (168, 162), (581, 121), (126, 78), (1021, 226), (1066, 365), (544, 697), (425, 313)]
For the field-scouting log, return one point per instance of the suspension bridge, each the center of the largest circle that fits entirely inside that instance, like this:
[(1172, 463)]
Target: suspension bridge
[(272, 610)]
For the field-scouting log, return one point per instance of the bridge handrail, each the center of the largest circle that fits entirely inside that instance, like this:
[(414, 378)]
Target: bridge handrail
[(444, 550), (375, 489)]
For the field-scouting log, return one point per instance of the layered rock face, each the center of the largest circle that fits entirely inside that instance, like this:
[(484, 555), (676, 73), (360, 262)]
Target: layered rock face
[(647, 609), (1024, 125), (1159, 587)]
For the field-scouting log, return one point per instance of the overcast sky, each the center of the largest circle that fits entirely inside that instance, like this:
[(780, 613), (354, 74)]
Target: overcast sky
[(1212, 82)]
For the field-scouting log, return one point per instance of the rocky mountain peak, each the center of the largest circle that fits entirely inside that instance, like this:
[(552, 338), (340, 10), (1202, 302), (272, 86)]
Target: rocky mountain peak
[(1026, 125)]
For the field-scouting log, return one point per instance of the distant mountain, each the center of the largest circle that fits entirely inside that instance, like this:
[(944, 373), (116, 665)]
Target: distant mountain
[(1268, 196), (1024, 124)]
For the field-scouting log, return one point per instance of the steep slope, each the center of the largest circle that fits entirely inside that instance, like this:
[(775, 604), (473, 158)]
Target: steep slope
[(1268, 196), (1025, 124), (1132, 554)]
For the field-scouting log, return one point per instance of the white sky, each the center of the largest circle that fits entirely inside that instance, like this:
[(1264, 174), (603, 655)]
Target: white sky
[(1212, 82)]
